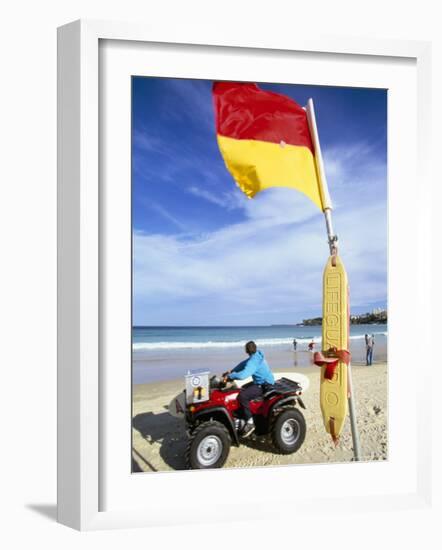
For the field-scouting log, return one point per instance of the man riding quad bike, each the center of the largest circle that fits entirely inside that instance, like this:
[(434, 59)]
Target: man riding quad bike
[(256, 367), (215, 416)]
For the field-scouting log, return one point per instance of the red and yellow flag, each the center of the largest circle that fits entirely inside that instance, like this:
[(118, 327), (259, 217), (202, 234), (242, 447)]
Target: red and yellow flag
[(265, 140)]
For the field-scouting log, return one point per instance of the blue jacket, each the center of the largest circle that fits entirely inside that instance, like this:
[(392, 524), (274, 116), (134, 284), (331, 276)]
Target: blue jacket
[(256, 367)]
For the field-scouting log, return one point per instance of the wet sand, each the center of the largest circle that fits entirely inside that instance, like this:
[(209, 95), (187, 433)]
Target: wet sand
[(158, 366)]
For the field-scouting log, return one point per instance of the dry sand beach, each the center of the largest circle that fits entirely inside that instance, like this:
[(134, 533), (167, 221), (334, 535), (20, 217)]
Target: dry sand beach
[(159, 439)]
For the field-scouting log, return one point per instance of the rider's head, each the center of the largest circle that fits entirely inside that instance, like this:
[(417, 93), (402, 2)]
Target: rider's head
[(250, 348)]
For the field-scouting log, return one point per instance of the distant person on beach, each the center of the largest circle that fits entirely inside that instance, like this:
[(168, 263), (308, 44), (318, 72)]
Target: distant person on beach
[(256, 367), (311, 345), (295, 344), (369, 344)]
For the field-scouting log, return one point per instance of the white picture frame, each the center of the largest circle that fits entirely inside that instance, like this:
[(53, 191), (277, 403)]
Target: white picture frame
[(81, 396)]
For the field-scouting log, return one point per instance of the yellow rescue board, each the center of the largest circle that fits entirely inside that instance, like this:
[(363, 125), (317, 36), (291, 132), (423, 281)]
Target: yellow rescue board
[(335, 334)]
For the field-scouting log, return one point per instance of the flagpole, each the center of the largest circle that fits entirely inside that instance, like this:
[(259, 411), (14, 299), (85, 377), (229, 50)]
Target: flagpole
[(332, 242)]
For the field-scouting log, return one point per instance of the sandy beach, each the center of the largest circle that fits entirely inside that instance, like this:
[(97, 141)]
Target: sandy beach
[(160, 440)]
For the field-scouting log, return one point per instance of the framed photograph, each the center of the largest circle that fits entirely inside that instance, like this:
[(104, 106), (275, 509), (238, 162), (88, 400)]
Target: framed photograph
[(206, 338)]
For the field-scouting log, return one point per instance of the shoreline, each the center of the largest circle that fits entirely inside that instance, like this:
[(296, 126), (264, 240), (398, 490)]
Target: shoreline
[(156, 366), (159, 439)]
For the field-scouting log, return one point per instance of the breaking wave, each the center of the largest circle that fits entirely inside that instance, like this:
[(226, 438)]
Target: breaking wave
[(150, 346)]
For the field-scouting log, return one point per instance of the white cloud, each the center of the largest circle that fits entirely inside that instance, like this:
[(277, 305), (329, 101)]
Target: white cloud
[(354, 165), (149, 143), (253, 267), (273, 206), (280, 205), (167, 215), (268, 268), (229, 201)]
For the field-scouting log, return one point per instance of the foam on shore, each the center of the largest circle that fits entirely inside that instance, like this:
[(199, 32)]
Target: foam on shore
[(153, 346)]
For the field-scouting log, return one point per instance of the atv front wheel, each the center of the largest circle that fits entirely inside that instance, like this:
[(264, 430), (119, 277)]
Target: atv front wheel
[(209, 446), (288, 431)]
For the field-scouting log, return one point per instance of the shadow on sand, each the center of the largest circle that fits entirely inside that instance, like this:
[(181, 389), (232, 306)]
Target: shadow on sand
[(261, 443), (169, 432)]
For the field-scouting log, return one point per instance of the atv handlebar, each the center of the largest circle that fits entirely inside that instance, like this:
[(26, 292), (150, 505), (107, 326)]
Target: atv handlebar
[(225, 378), (221, 382)]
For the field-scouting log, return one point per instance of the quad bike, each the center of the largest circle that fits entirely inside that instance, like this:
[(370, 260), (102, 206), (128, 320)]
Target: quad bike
[(214, 423)]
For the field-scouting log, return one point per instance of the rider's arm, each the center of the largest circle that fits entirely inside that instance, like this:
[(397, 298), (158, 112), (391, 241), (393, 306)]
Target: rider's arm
[(247, 370), (239, 366)]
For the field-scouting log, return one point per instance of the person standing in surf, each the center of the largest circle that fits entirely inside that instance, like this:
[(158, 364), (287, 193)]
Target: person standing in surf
[(369, 344)]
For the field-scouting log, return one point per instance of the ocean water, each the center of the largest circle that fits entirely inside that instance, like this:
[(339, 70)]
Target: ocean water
[(166, 353), (148, 339)]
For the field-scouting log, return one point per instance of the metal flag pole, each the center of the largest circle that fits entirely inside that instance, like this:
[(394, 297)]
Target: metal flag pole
[(332, 242)]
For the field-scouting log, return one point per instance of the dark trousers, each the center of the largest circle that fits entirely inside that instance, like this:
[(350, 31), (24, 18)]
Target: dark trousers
[(245, 396), (369, 355)]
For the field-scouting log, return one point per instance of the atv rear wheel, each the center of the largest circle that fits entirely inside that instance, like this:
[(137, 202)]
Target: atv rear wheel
[(209, 446), (288, 431)]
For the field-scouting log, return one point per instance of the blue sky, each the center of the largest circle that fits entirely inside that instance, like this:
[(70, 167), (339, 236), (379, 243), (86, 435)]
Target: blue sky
[(204, 254)]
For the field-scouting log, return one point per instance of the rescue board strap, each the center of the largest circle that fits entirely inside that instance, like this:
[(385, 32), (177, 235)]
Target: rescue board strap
[(331, 358)]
